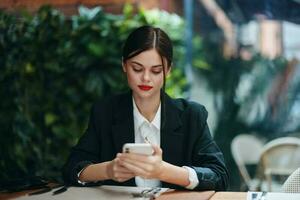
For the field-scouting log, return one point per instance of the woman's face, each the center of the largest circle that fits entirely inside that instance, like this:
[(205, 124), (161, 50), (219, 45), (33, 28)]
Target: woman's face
[(145, 74)]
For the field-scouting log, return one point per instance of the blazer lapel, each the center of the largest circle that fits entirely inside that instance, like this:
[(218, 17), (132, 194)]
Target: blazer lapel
[(123, 127), (171, 134)]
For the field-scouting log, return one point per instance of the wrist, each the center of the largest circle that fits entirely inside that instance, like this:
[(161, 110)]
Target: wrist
[(162, 170), (108, 166), (192, 178)]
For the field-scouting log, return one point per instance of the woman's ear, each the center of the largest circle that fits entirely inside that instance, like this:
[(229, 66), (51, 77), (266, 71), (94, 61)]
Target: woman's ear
[(124, 67)]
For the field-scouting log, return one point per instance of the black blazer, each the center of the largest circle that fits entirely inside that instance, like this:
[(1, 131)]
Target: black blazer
[(185, 140)]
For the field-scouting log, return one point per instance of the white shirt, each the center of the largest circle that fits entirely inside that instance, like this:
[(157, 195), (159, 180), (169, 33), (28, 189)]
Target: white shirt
[(151, 130), (143, 131)]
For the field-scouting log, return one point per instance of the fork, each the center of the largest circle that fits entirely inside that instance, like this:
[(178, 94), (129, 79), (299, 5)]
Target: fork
[(148, 193)]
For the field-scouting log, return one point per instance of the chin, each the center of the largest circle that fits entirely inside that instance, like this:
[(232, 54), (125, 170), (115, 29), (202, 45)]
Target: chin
[(144, 94)]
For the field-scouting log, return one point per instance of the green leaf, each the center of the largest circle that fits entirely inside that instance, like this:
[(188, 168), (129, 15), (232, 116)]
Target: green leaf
[(50, 118), (96, 49), (127, 10)]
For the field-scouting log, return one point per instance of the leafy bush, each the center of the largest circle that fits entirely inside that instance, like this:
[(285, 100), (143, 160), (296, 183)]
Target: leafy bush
[(52, 68)]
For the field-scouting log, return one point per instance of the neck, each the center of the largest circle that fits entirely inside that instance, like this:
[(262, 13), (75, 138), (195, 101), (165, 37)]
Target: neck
[(147, 107)]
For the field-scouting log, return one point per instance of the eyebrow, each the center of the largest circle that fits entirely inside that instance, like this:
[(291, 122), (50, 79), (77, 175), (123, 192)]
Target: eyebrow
[(135, 62)]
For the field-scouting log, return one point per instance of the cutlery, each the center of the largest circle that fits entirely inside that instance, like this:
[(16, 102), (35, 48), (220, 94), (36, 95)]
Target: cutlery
[(60, 190)]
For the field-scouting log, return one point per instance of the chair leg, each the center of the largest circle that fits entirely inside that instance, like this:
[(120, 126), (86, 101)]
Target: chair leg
[(269, 180)]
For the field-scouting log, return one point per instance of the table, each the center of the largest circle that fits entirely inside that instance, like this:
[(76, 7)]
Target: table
[(186, 195), (13, 195), (5, 196), (229, 196)]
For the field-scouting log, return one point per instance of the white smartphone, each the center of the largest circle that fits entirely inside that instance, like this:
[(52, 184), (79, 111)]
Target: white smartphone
[(139, 148)]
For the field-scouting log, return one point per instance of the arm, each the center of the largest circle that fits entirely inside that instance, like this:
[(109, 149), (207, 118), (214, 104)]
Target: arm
[(94, 172), (85, 158), (168, 171), (208, 160), (85, 153), (104, 171)]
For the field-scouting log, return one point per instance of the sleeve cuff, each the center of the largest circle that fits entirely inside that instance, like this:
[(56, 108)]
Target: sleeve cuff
[(81, 166), (78, 180), (193, 178)]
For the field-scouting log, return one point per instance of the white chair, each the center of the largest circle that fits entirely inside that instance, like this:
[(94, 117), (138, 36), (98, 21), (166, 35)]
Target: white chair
[(246, 150), (279, 157), (292, 184)]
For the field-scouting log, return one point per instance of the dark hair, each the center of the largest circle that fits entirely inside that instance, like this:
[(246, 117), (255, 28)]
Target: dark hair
[(145, 38)]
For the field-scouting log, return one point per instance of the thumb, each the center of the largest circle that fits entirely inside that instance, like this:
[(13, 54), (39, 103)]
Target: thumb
[(157, 149)]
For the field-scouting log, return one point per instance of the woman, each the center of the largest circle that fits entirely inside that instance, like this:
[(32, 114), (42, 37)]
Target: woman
[(185, 155)]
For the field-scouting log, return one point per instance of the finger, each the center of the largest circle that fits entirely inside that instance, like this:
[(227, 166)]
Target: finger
[(119, 169), (143, 165), (138, 171), (124, 175), (139, 167), (133, 156), (122, 170), (122, 179), (118, 163), (157, 149)]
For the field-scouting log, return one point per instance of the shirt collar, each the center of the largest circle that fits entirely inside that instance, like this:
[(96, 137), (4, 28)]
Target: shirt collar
[(140, 119)]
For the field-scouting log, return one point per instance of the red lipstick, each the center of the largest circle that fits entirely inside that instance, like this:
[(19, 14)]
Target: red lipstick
[(145, 87)]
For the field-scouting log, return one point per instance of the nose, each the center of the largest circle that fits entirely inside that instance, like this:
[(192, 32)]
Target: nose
[(146, 76)]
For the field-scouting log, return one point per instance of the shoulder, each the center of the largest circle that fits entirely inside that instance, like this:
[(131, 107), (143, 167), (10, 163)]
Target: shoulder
[(190, 107), (111, 102)]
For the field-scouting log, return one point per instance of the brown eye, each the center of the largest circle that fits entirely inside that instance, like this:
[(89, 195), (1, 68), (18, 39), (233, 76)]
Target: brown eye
[(137, 70), (156, 71)]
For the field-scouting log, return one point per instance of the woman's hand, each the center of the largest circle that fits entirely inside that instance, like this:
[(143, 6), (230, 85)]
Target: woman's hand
[(117, 172), (149, 167)]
